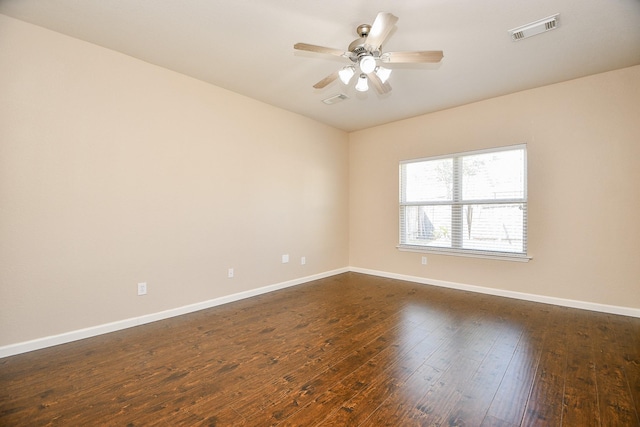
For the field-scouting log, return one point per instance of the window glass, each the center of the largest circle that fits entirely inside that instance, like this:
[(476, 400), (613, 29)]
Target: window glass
[(498, 175), (429, 180)]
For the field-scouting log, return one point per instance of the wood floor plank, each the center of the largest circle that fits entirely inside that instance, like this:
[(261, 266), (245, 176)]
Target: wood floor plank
[(510, 400), (614, 394), (628, 337), (490, 421), (417, 326), (395, 362), (545, 403), (479, 393), (407, 404), (351, 349), (402, 402), (302, 385), (396, 369), (448, 403), (580, 392)]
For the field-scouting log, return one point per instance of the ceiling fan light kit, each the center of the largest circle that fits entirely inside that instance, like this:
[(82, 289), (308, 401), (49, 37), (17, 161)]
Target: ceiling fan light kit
[(367, 64), (362, 85), (383, 73), (366, 52), (346, 73)]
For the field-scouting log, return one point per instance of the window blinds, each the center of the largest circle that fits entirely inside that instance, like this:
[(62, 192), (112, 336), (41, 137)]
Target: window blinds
[(468, 203)]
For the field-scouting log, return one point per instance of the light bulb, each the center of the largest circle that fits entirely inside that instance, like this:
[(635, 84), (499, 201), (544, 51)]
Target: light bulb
[(383, 73), (367, 64), (362, 85), (346, 73)]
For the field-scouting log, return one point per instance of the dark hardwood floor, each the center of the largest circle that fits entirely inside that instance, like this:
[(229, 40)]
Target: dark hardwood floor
[(349, 350)]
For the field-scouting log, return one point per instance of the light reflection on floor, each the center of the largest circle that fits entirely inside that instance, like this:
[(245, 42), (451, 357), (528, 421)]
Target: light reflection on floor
[(443, 351)]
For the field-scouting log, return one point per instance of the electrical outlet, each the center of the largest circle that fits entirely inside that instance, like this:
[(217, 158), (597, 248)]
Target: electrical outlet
[(424, 260), (230, 273), (285, 258), (303, 260), (142, 288)]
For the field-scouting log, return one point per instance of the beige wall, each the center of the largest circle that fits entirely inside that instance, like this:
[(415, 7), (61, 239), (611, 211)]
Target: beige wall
[(583, 139), (114, 172)]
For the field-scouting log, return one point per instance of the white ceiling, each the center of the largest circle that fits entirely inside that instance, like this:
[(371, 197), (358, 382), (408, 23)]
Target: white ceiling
[(246, 46)]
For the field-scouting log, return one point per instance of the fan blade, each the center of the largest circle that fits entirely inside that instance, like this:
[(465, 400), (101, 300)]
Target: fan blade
[(382, 88), (380, 30), (329, 79), (412, 57), (320, 49)]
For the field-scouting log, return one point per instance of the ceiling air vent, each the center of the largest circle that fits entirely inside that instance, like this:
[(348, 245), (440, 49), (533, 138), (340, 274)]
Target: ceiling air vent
[(533, 28), (335, 98)]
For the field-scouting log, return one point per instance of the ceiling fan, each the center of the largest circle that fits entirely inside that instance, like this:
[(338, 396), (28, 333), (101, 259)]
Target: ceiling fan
[(366, 52)]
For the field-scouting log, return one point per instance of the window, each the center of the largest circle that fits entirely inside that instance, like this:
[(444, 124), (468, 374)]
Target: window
[(472, 203)]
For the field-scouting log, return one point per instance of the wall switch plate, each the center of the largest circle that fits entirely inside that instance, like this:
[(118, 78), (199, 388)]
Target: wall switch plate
[(303, 260), (230, 273), (424, 260), (142, 288), (285, 258)]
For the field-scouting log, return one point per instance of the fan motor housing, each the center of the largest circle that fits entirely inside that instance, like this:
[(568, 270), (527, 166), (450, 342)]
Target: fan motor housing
[(358, 50), (357, 45)]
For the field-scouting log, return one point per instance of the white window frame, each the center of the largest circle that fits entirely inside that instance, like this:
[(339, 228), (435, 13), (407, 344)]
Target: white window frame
[(457, 205)]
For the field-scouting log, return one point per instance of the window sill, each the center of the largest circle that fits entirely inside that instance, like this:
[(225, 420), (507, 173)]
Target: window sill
[(501, 257)]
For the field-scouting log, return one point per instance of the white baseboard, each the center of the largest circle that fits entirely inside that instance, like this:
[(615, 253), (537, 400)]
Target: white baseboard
[(50, 341), (584, 305)]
